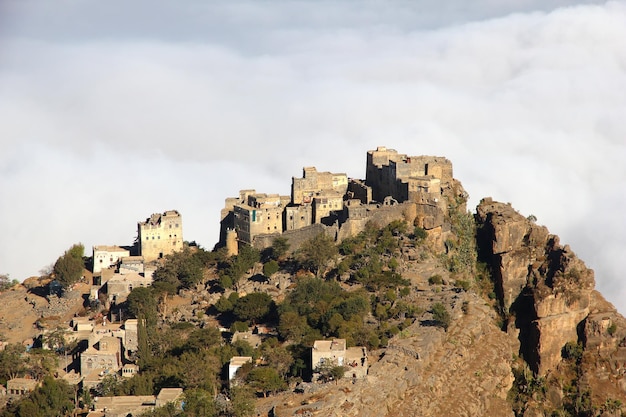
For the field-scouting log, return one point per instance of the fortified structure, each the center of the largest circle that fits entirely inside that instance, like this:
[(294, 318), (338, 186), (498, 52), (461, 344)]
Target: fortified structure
[(417, 189), (160, 235)]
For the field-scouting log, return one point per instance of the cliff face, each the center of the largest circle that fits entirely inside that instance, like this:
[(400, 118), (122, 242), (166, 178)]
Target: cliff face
[(539, 282)]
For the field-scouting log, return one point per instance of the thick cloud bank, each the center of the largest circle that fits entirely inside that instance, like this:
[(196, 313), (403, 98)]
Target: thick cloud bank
[(109, 115)]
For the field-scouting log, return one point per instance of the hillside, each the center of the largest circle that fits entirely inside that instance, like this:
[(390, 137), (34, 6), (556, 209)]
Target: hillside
[(461, 314)]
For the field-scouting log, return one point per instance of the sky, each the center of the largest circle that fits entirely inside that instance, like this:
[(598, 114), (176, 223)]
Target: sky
[(111, 111)]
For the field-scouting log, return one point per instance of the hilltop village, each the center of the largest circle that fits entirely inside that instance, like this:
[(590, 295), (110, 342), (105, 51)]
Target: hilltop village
[(413, 189), (416, 189), (366, 297)]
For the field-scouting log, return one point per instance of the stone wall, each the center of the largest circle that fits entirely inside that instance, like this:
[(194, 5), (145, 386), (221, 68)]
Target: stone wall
[(380, 215), (295, 237)]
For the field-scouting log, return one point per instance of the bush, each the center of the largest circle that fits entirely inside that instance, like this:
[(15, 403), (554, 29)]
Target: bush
[(463, 284), (572, 351), (420, 234), (441, 316), (270, 268), (435, 280), (612, 329)]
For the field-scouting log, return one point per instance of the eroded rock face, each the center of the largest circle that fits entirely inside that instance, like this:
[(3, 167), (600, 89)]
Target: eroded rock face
[(543, 284)]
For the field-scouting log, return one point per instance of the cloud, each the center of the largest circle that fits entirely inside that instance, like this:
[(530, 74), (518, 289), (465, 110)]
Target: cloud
[(109, 116)]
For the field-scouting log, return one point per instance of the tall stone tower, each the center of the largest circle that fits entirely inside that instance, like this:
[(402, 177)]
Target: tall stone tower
[(160, 235)]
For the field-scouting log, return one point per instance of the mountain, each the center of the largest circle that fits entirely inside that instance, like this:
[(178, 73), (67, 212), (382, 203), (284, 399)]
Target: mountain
[(464, 314)]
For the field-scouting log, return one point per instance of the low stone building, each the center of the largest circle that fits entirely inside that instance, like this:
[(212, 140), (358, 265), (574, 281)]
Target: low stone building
[(105, 257), (134, 405), (21, 386), (330, 353), (235, 363), (120, 285), (131, 264)]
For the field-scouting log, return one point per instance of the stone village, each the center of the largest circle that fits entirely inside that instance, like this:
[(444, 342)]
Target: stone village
[(416, 189)]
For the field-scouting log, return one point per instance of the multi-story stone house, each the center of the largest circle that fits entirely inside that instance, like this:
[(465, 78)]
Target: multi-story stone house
[(104, 356), (160, 235), (259, 214)]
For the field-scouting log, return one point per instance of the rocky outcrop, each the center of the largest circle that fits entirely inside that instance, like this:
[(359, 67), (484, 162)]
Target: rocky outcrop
[(540, 283)]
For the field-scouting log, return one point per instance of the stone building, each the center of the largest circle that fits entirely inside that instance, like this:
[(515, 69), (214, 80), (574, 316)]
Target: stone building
[(235, 363), (329, 353), (131, 335), (312, 182), (413, 178), (325, 204), (130, 264), (259, 214), (161, 234), (135, 405), (105, 257), (120, 285), (104, 356), (21, 386)]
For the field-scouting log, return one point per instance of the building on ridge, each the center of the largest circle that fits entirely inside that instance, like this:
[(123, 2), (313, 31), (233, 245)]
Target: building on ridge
[(417, 189), (259, 214), (313, 182), (161, 234)]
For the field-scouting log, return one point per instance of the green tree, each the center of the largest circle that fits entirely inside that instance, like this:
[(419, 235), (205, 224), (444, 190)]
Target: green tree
[(316, 253), (253, 307), (265, 380), (199, 370), (69, 267), (199, 403), (292, 326), (276, 356), (241, 263), (280, 246), (270, 268), (337, 372), (11, 363), (182, 269), (142, 304), (241, 401), (419, 234), (6, 283), (204, 338), (224, 304)]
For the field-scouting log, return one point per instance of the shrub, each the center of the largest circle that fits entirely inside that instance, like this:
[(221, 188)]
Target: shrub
[(270, 268), (612, 329), (239, 326), (463, 284), (420, 234), (572, 351), (435, 280), (441, 316)]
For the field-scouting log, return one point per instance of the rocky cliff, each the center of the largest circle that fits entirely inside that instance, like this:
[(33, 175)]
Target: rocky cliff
[(542, 285)]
